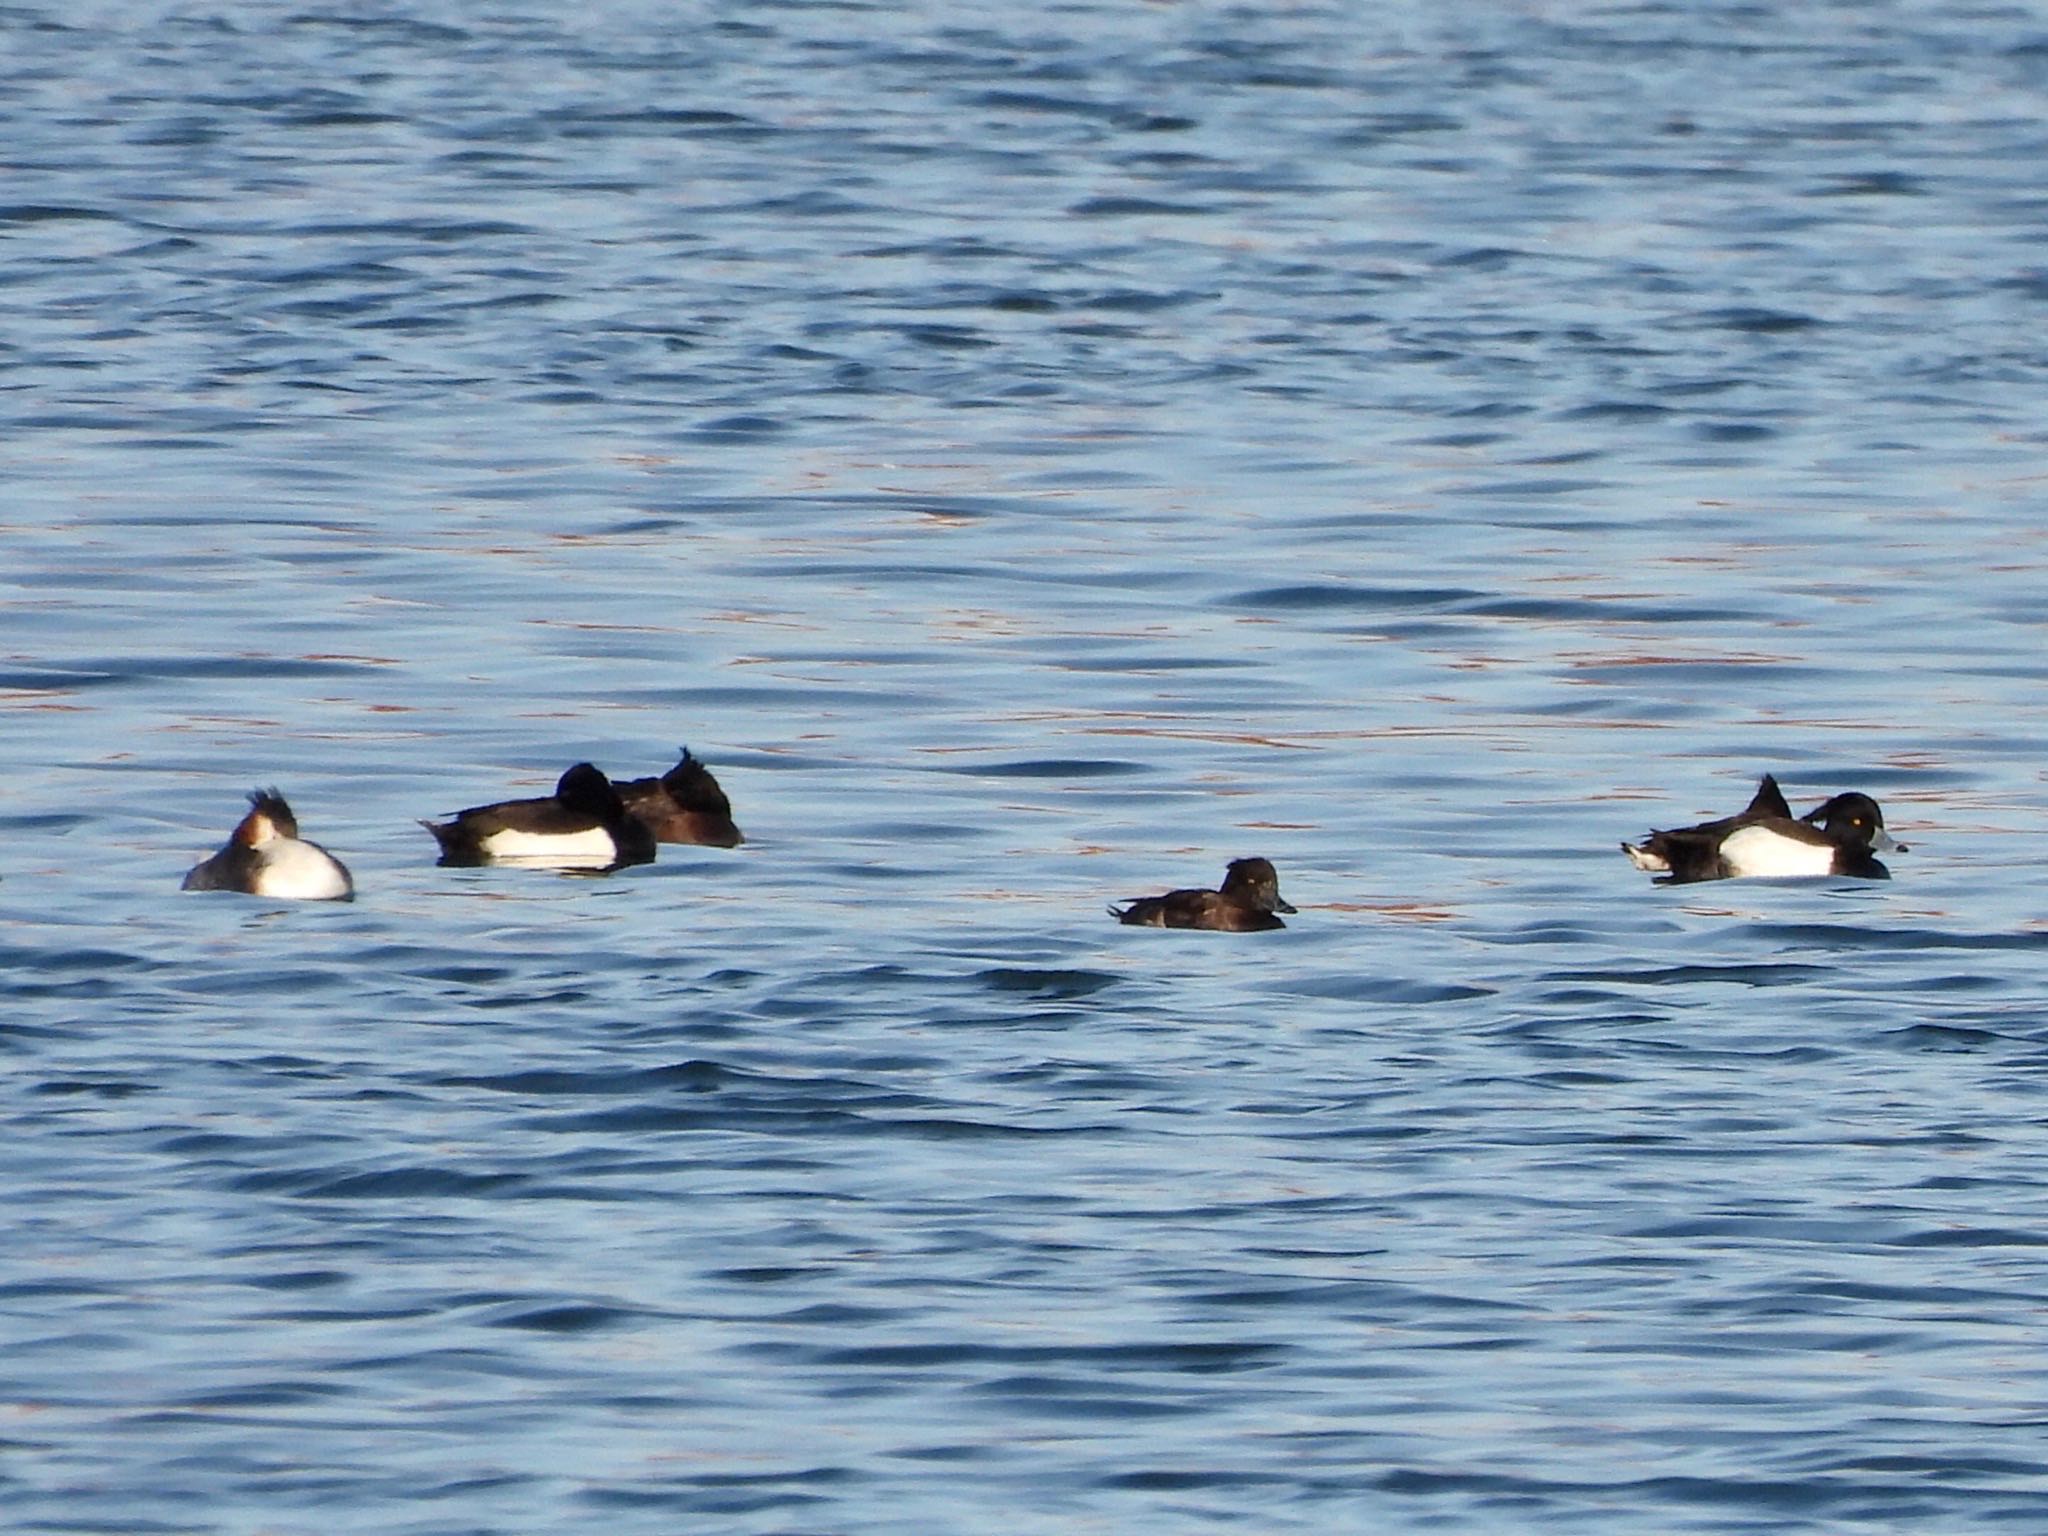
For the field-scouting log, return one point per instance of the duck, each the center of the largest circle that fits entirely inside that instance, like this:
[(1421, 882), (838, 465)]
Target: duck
[(1246, 903), (583, 825), (684, 805), (265, 856), (1691, 846), (1840, 836)]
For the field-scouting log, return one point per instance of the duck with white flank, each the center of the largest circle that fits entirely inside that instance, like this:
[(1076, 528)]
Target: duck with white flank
[(583, 825), (1764, 841)]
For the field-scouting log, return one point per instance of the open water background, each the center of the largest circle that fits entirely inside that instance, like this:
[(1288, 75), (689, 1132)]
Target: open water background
[(1034, 454)]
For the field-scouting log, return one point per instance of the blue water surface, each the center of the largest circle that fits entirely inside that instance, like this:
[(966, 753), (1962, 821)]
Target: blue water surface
[(1033, 455)]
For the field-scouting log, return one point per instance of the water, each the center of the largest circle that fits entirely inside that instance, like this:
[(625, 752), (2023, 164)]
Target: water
[(1033, 455)]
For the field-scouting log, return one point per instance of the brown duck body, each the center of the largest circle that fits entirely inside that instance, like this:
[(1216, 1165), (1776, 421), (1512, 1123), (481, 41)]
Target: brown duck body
[(1247, 903), (684, 805)]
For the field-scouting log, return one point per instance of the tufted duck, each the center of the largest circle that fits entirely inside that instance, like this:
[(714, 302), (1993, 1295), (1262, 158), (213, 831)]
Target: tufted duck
[(582, 825), (684, 805), (1764, 840), (1246, 903)]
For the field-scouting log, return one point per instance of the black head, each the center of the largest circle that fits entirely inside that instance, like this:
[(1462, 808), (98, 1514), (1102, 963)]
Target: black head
[(585, 788), (1853, 821), (1256, 883)]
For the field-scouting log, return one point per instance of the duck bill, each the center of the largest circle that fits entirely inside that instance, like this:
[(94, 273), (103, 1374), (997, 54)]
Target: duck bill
[(1282, 904), (1884, 842)]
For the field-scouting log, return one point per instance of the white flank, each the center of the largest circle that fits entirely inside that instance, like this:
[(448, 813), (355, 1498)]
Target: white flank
[(1760, 852), (296, 871), (591, 848)]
